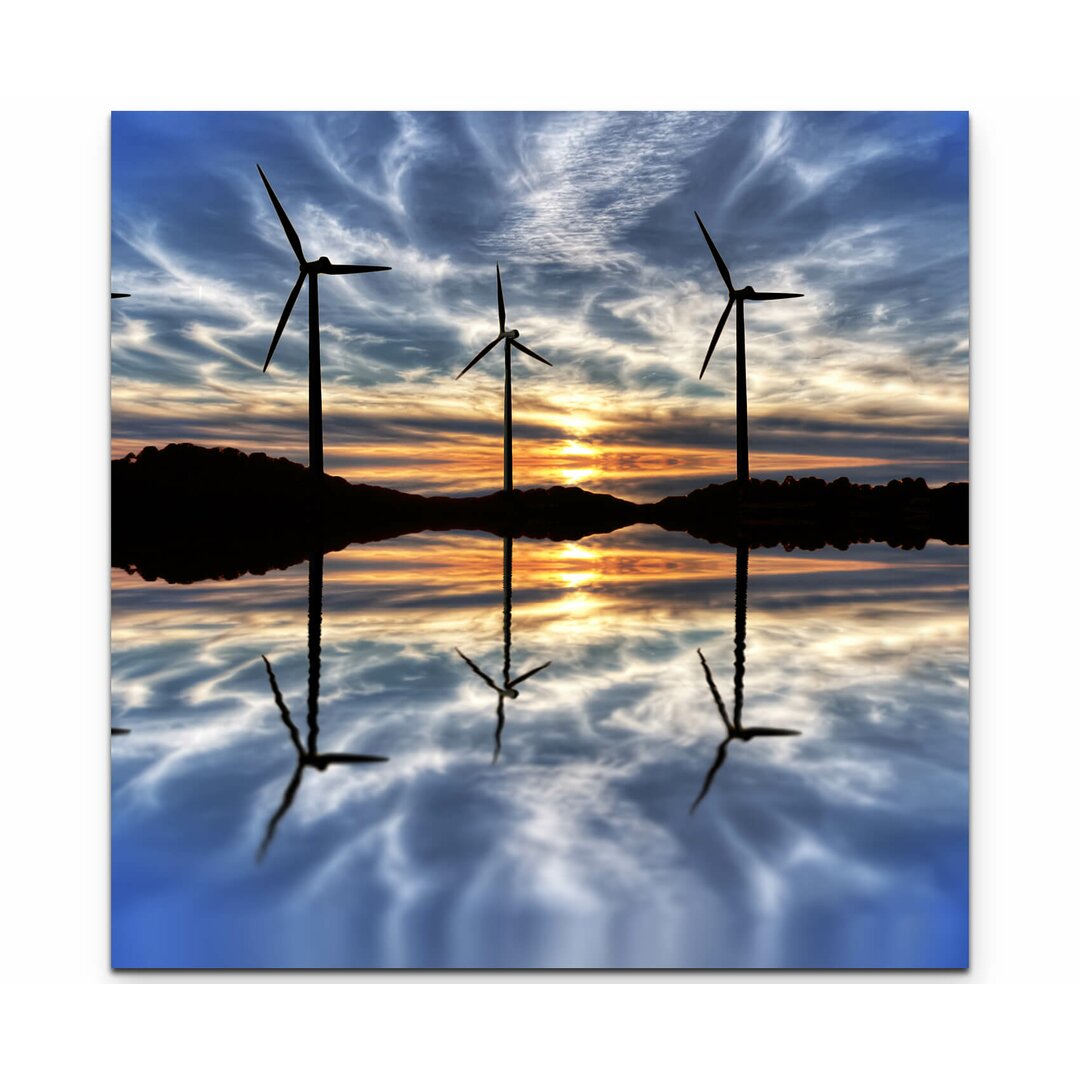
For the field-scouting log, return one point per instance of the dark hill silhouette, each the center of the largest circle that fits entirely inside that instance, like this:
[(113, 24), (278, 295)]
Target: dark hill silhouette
[(812, 513), (185, 513)]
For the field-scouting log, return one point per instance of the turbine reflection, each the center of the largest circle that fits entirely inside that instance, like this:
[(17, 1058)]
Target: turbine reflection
[(307, 755), (733, 725), (508, 688)]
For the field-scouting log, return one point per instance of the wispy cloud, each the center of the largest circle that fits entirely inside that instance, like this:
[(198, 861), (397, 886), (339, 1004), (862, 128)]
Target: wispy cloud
[(604, 270), (585, 180)]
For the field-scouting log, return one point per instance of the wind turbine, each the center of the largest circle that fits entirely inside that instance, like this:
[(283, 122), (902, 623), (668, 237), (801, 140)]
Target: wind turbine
[(511, 339), (310, 270), (119, 295), (508, 688), (733, 726), (307, 754), (737, 297)]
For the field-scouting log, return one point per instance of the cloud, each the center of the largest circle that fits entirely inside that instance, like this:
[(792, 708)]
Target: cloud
[(604, 272), (586, 179)]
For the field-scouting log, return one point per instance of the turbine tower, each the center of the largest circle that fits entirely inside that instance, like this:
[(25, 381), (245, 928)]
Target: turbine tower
[(737, 297), (511, 337), (310, 270)]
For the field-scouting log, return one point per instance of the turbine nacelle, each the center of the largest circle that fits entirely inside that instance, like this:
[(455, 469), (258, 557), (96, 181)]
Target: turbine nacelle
[(749, 293), (325, 266)]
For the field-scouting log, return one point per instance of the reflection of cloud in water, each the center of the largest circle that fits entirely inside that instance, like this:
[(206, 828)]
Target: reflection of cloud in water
[(847, 845)]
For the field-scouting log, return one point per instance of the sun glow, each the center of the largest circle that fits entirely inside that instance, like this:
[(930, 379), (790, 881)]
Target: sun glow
[(576, 477), (576, 447)]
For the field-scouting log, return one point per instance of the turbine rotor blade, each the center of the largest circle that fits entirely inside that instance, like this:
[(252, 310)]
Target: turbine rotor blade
[(754, 732), (715, 693), (528, 352), (479, 356), (286, 716), (502, 306), (286, 312), (774, 295), (286, 224), (720, 265), (716, 336), (528, 675), (477, 670), (500, 723), (721, 754), (286, 801), (119, 295), (346, 268)]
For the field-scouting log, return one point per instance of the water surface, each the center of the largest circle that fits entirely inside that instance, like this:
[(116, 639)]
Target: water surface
[(549, 822)]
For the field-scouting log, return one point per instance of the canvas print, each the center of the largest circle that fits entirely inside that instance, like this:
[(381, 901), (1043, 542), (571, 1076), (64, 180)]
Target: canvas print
[(539, 540)]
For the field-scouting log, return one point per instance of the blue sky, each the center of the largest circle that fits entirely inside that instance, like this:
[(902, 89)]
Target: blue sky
[(591, 217)]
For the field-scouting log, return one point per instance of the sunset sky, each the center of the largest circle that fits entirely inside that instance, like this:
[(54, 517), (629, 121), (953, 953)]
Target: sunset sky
[(605, 273)]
